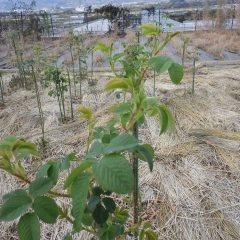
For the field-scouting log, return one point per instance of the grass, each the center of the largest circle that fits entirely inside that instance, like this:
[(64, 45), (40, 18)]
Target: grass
[(193, 190), (216, 42)]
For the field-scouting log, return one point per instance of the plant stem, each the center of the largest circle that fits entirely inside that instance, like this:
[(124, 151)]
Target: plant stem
[(70, 93), (39, 104), (73, 72), (55, 193), (135, 185), (194, 73), (154, 82), (80, 75), (58, 92), (1, 87)]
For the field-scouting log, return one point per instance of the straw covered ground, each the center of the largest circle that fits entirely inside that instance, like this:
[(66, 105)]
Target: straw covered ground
[(193, 192)]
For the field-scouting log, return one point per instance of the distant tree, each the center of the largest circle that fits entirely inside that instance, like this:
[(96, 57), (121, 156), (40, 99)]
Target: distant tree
[(111, 13), (221, 15)]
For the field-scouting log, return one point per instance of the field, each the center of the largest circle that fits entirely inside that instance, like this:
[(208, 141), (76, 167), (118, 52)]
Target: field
[(120, 124), (193, 192)]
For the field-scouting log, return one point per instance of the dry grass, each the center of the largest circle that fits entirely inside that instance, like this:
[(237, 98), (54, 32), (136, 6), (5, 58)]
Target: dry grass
[(130, 36), (99, 59), (193, 192), (216, 42)]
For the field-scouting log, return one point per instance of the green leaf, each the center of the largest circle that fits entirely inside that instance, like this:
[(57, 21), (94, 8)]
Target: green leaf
[(87, 219), (93, 202), (130, 71), (96, 149), (116, 83), (146, 153), (151, 235), (100, 214), (40, 186), (118, 56), (102, 47), (122, 108), (46, 209), (65, 162), (160, 64), (114, 173), (121, 143), (121, 215), (97, 191), (166, 119), (106, 138), (28, 227), (43, 170), (79, 198), (85, 112), (78, 170), (53, 172), (17, 193), (109, 204), (68, 237), (176, 73), (23, 149), (150, 30), (16, 203), (116, 230)]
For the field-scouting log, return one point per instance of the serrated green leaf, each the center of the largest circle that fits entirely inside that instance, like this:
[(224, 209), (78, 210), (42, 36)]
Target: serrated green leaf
[(176, 73), (17, 193), (93, 202), (42, 171), (120, 143), (65, 161), (115, 230), (78, 170), (87, 219), (122, 108), (53, 172), (100, 214), (46, 209), (166, 119), (109, 204), (28, 227), (114, 173), (16, 203), (160, 64), (116, 83), (96, 149), (79, 198), (97, 191), (40, 186), (146, 153)]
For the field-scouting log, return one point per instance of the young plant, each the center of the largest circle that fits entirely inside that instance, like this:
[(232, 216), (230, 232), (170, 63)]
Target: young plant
[(71, 43), (41, 115), (15, 44), (105, 171), (132, 80), (184, 48), (195, 58), (53, 75), (70, 93), (1, 87)]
